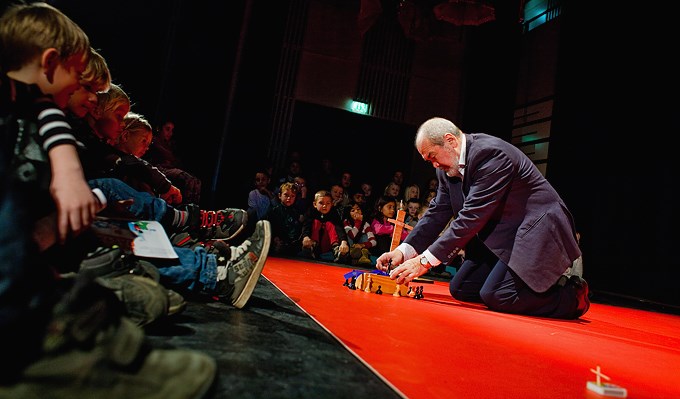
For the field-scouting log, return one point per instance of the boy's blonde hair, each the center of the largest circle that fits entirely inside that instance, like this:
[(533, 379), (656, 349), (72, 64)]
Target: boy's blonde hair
[(97, 74), (26, 30), (135, 123), (288, 186), (320, 194), (110, 100)]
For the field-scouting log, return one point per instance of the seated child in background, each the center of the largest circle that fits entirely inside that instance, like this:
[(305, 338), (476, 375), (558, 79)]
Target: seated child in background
[(360, 235), (104, 125), (338, 198), (412, 191), (367, 189), (392, 190), (412, 212), (162, 155), (260, 198), (385, 208), (302, 202), (323, 235), (429, 197), (222, 224), (134, 140), (286, 221), (359, 198), (136, 136)]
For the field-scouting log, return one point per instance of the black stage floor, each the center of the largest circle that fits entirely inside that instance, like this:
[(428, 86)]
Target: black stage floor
[(269, 349)]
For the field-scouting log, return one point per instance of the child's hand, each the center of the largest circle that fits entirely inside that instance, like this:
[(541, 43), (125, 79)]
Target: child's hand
[(344, 248), (76, 205), (173, 196), (307, 243)]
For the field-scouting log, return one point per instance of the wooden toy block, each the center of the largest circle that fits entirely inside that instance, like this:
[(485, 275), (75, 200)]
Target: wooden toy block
[(369, 282)]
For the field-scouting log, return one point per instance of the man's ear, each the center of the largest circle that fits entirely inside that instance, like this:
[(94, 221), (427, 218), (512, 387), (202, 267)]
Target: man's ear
[(450, 138), (49, 62)]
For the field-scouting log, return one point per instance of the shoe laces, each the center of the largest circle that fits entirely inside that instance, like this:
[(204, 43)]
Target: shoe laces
[(237, 252), (222, 272), (211, 218)]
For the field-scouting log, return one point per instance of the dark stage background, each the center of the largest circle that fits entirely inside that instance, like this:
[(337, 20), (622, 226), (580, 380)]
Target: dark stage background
[(613, 155)]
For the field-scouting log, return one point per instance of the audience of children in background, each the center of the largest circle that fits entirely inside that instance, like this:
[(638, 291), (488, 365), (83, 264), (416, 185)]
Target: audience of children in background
[(323, 236)]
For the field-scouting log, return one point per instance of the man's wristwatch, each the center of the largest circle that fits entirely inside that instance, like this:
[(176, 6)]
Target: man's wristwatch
[(425, 263)]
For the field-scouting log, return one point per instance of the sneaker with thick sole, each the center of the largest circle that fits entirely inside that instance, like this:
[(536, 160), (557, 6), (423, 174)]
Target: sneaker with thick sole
[(90, 351), (224, 224), (117, 367), (145, 300), (176, 303), (238, 279)]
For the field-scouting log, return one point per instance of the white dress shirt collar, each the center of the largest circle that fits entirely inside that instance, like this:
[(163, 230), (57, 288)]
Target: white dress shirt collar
[(463, 155)]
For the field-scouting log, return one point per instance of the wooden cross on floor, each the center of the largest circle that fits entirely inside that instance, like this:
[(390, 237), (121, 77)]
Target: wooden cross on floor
[(399, 226)]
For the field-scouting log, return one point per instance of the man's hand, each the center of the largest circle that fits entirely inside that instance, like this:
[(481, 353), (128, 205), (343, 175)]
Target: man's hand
[(408, 271), (388, 260)]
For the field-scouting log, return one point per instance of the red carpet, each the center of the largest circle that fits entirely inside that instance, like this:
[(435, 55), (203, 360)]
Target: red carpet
[(437, 347)]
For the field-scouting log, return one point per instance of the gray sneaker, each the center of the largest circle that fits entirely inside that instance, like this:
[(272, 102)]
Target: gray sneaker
[(144, 299), (93, 373), (238, 278), (90, 351), (176, 303)]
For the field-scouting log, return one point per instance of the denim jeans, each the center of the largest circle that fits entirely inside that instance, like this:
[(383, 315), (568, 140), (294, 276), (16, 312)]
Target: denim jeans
[(145, 205), (27, 284), (195, 270)]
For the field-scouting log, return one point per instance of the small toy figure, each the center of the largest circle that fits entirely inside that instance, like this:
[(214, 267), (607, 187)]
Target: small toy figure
[(603, 388)]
